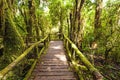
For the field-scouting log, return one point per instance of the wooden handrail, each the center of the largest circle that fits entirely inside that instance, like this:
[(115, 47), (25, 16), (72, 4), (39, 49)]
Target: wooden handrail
[(33, 65), (4, 71), (97, 75)]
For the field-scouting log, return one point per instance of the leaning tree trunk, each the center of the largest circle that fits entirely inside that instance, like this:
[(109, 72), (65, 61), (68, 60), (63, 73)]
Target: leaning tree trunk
[(37, 30), (13, 42), (75, 20), (97, 23), (30, 21), (2, 20), (71, 27), (79, 24), (61, 23), (97, 26), (35, 18)]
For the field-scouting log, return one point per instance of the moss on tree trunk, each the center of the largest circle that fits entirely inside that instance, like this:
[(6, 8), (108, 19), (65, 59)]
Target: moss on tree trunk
[(13, 42), (1, 17)]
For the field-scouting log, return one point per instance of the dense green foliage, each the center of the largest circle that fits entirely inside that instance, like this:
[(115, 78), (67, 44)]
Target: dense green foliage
[(93, 25)]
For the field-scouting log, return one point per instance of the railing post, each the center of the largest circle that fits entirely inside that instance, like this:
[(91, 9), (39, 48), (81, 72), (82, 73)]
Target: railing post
[(12, 65), (64, 41), (48, 37), (44, 42), (61, 36), (36, 52), (47, 40)]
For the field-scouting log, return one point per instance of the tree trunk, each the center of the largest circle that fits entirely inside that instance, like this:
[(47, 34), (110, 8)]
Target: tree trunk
[(30, 20), (2, 20), (75, 20), (71, 27), (79, 30), (13, 42), (68, 27), (61, 23), (37, 30), (97, 23)]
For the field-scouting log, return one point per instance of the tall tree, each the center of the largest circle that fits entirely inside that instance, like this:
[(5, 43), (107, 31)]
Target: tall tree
[(31, 8), (97, 22), (75, 19), (13, 42), (2, 20)]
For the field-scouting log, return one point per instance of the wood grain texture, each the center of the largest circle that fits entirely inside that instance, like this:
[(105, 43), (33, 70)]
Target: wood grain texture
[(53, 65)]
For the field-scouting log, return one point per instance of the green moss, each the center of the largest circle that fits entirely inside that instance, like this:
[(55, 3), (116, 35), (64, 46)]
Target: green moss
[(84, 60), (13, 43), (21, 57)]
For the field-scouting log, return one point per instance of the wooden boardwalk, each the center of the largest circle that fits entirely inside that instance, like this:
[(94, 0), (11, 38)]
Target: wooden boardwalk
[(53, 65)]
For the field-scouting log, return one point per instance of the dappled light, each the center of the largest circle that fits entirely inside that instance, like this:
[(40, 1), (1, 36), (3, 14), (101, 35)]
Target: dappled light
[(53, 39), (54, 64), (61, 57), (57, 47), (59, 51), (54, 30)]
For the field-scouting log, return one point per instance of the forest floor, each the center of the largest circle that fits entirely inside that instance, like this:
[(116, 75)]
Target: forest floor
[(110, 70)]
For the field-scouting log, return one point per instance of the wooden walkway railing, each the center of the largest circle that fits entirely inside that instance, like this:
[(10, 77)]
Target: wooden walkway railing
[(20, 58), (75, 57), (75, 54)]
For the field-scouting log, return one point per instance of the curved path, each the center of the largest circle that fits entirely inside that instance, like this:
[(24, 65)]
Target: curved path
[(53, 65)]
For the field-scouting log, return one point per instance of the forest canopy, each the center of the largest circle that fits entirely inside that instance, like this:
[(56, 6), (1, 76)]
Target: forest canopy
[(92, 25)]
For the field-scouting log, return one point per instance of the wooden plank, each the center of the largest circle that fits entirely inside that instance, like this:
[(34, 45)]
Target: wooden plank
[(53, 65), (53, 62), (52, 70), (55, 78), (52, 73)]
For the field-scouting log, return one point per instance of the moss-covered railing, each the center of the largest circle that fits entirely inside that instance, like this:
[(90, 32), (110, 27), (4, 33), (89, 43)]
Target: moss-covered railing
[(76, 57), (17, 61)]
